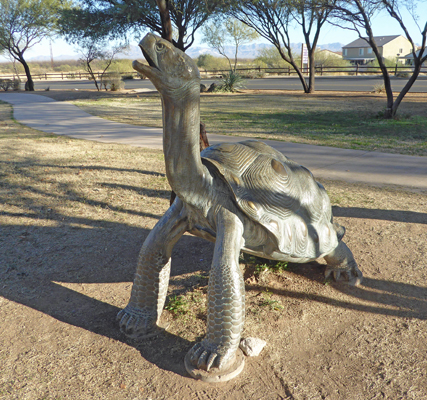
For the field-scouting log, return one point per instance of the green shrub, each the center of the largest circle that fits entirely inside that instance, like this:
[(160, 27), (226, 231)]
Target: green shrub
[(231, 82), (121, 66), (253, 74), (113, 82), (211, 63), (7, 84), (203, 60)]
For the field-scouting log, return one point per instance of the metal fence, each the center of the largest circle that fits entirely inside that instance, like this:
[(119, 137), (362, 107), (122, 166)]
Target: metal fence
[(286, 71)]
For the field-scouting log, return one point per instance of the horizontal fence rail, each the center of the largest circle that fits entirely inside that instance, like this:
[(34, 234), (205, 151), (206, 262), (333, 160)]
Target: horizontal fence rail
[(320, 70), (287, 71), (68, 75)]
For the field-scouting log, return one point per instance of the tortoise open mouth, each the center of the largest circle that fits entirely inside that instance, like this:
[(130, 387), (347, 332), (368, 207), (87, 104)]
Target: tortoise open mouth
[(148, 58)]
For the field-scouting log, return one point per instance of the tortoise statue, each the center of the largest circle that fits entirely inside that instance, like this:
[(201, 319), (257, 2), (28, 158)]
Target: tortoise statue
[(244, 197)]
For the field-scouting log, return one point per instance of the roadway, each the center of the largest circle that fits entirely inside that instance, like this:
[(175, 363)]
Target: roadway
[(335, 83)]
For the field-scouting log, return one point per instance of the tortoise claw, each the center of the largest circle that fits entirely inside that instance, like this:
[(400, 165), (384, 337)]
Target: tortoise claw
[(137, 324), (353, 276)]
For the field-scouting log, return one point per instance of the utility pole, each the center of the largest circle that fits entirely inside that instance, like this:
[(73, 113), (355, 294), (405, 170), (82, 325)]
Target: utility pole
[(51, 55)]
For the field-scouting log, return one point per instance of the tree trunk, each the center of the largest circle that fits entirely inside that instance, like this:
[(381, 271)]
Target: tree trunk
[(311, 71), (165, 18), (388, 114), (301, 78), (30, 84), (203, 137), (406, 89)]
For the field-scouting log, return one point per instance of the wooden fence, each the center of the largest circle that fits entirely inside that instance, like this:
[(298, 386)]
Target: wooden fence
[(323, 70), (287, 71)]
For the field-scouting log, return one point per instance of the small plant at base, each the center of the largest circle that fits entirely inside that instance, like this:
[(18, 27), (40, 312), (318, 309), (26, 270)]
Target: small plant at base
[(177, 305), (279, 267), (259, 268), (267, 301)]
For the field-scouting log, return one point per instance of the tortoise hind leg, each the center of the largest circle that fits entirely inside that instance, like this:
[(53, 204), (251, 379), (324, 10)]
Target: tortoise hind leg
[(217, 358), (341, 261)]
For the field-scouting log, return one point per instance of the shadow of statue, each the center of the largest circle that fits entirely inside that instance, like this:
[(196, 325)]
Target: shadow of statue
[(46, 257)]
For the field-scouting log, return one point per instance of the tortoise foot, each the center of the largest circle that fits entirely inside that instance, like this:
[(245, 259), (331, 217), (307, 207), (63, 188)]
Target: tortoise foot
[(215, 375), (139, 324), (353, 276)]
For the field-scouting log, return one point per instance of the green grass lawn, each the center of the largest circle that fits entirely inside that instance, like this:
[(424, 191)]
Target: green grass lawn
[(332, 120)]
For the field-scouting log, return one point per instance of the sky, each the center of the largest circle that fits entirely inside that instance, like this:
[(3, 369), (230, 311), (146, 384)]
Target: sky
[(383, 25)]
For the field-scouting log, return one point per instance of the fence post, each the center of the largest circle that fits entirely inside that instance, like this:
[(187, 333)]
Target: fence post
[(357, 69), (395, 70)]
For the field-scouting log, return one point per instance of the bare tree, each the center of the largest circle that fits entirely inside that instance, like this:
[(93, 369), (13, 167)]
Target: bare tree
[(311, 15), (114, 19), (24, 23), (232, 31), (420, 55), (358, 15), (272, 20), (97, 50)]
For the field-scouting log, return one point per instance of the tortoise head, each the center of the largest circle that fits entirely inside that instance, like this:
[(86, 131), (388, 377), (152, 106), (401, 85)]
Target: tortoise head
[(168, 68)]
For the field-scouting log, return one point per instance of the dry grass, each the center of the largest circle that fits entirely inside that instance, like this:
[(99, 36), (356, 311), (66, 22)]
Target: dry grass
[(332, 119), (73, 215), (60, 177)]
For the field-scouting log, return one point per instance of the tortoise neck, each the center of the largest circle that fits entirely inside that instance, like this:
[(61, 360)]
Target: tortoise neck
[(181, 147)]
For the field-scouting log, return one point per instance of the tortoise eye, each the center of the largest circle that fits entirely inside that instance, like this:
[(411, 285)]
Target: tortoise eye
[(160, 46)]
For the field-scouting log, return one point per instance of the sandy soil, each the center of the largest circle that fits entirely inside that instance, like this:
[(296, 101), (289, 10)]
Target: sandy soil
[(73, 216)]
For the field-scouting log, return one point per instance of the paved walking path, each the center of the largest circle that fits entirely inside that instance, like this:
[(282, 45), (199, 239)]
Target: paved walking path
[(61, 118)]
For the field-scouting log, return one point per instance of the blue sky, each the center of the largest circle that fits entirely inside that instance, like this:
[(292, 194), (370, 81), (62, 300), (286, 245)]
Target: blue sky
[(383, 26)]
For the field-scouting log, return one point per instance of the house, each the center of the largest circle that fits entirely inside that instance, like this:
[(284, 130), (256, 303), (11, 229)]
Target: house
[(392, 47), (327, 58), (409, 58), (325, 53)]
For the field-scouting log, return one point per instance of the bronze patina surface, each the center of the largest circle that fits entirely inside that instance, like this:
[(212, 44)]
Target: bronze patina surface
[(244, 197)]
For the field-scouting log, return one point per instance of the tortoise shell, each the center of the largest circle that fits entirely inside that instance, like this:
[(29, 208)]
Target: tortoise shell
[(280, 195)]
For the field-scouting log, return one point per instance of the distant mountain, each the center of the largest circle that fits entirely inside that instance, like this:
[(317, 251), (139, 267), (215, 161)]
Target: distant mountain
[(331, 46), (251, 50), (245, 51), (62, 57)]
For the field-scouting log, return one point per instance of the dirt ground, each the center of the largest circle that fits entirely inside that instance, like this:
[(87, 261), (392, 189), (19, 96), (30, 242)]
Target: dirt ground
[(73, 215)]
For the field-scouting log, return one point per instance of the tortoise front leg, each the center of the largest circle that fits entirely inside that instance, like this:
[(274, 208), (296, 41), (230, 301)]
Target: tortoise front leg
[(341, 262), (226, 305), (140, 317)]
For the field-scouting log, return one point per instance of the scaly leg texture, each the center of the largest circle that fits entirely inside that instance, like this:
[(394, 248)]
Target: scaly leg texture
[(341, 262), (140, 317), (226, 298)]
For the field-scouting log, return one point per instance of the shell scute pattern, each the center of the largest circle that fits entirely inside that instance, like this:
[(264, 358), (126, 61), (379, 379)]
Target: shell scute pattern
[(279, 194)]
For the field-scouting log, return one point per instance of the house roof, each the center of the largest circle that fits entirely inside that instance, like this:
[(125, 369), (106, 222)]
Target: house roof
[(379, 40)]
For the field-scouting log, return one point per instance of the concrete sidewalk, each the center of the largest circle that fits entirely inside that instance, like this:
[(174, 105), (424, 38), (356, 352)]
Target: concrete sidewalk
[(48, 115)]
